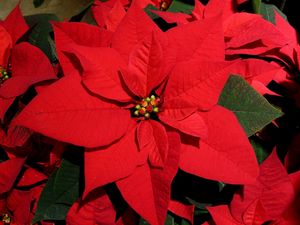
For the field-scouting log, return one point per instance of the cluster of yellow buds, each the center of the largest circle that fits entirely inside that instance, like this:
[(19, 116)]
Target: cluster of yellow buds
[(5, 218), (147, 107), (3, 74)]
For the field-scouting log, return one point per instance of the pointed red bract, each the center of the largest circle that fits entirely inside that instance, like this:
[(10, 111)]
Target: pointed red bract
[(102, 68), (6, 44), (198, 83), (9, 172), (273, 189), (25, 70), (108, 14), (98, 209), (79, 33), (66, 106), (110, 164), (15, 24), (145, 65), (134, 27), (219, 158), (182, 210), (204, 42), (147, 190), (221, 215)]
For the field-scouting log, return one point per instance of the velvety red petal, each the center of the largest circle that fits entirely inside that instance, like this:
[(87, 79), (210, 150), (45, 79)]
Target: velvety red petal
[(31, 177), (205, 41), (133, 28), (152, 138), (147, 190), (192, 125), (25, 70), (98, 209), (108, 17), (102, 68), (220, 158), (145, 66), (15, 24), (198, 83), (258, 29), (4, 105), (80, 33), (289, 32), (182, 210), (110, 164), (5, 47), (66, 112), (273, 188), (221, 215), (10, 169)]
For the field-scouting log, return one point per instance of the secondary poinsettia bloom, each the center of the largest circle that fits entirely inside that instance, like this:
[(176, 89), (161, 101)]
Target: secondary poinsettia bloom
[(120, 104), (17, 206), (18, 67), (271, 199)]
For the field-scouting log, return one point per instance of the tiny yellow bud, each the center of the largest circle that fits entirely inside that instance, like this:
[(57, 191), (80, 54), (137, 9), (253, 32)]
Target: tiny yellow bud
[(155, 109), (136, 113), (147, 115)]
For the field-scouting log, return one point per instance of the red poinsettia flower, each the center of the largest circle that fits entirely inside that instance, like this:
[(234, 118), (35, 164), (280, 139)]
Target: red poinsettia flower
[(131, 111), (268, 200), (17, 206), (18, 71)]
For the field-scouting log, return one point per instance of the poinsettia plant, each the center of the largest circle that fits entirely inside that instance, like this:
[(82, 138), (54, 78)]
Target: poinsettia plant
[(148, 112)]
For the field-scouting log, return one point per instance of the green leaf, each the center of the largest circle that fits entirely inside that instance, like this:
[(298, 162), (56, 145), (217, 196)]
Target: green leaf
[(181, 6), (268, 12), (60, 192), (260, 151), (148, 9), (256, 5), (40, 33), (37, 3), (253, 111)]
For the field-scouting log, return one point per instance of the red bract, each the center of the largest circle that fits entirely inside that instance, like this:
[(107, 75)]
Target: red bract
[(138, 102), (19, 205), (18, 70), (273, 192)]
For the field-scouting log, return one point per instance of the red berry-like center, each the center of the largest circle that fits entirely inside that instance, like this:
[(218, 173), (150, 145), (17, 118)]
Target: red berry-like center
[(147, 107)]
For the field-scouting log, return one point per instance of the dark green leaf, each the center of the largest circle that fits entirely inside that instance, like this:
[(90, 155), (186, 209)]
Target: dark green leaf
[(37, 3), (40, 33), (268, 12), (260, 151), (256, 5), (60, 192), (252, 110), (63, 9), (197, 204), (148, 9), (181, 6)]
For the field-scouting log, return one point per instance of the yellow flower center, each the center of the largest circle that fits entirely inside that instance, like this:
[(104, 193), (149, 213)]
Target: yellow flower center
[(147, 107), (5, 218), (4, 74)]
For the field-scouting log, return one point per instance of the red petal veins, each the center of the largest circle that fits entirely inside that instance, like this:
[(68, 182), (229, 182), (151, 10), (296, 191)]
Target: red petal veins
[(15, 24), (66, 112), (145, 67), (134, 27), (10, 169), (25, 70), (102, 69), (220, 158), (110, 164)]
